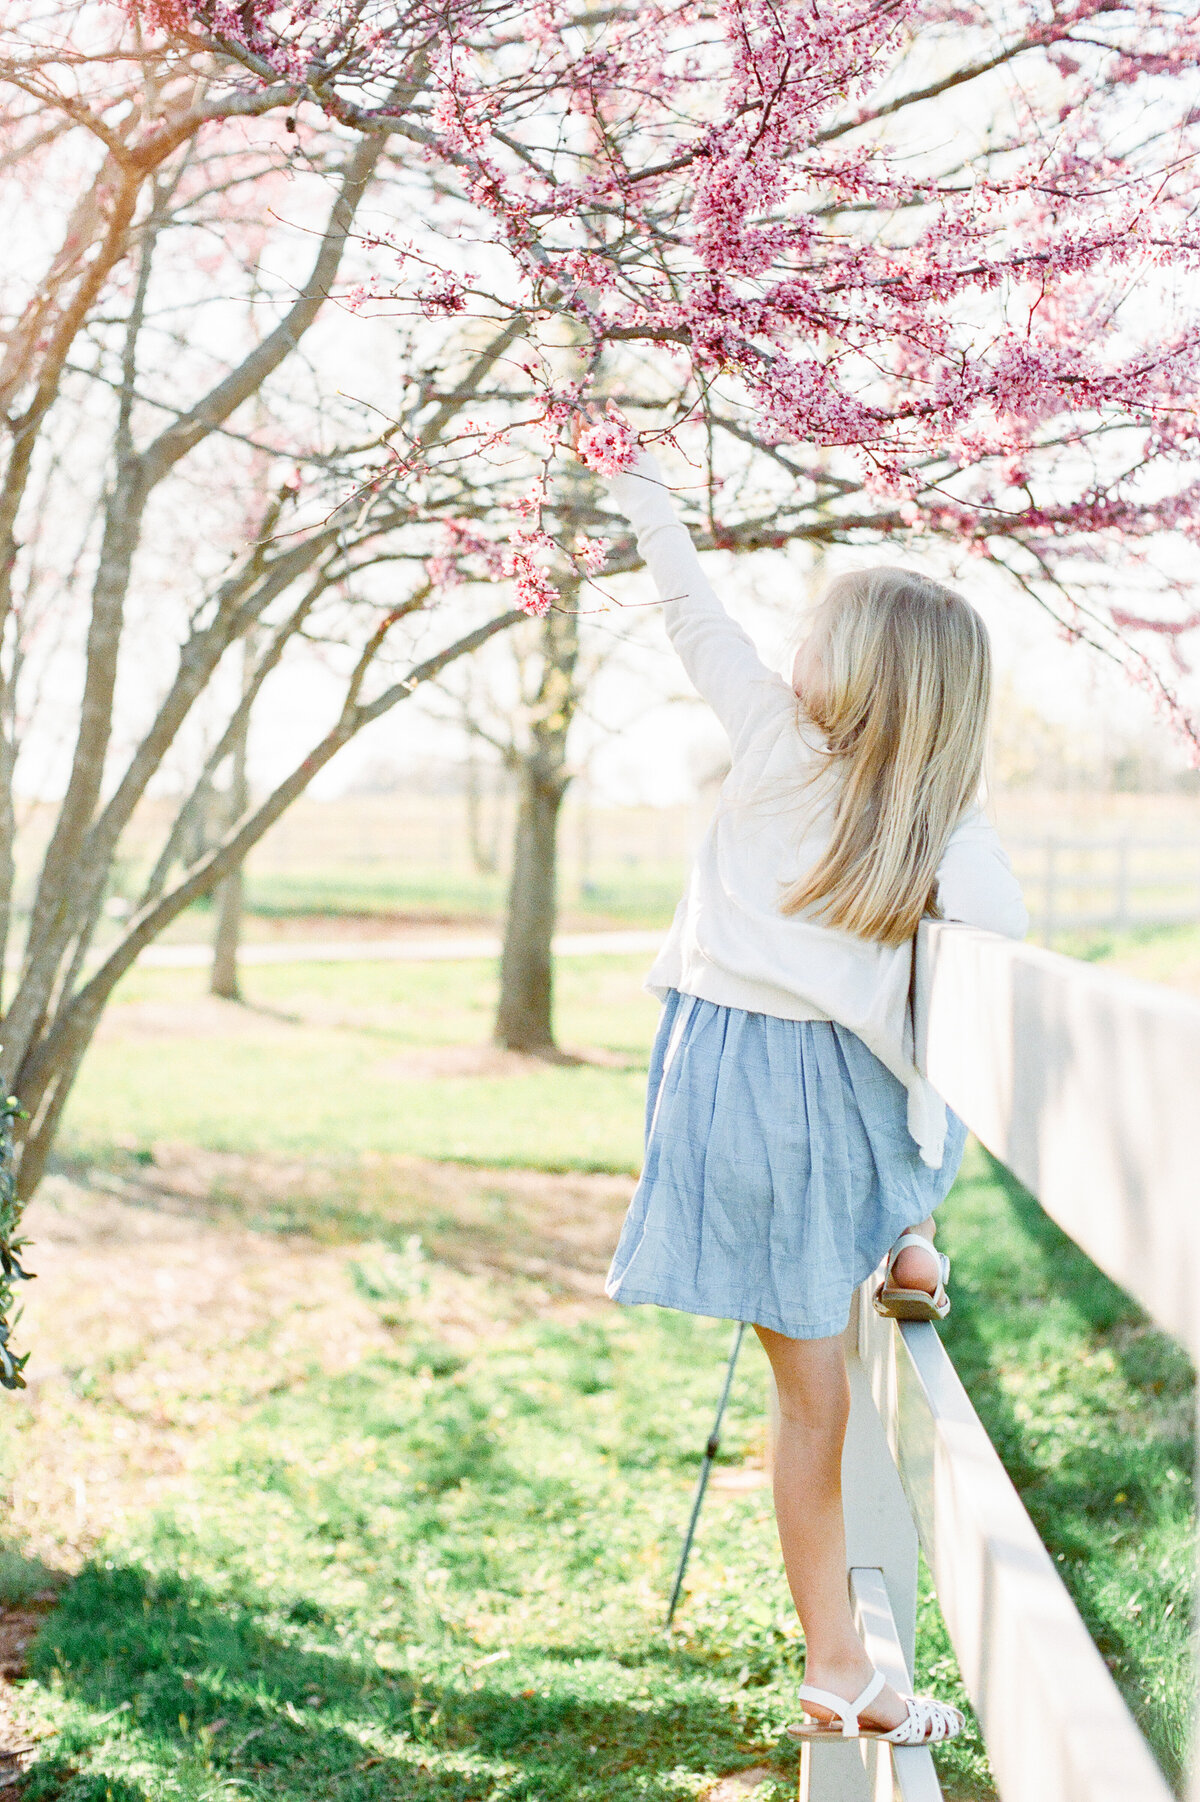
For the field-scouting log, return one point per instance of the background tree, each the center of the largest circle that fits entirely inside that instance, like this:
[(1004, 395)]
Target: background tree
[(523, 699), (142, 544), (529, 734), (525, 1011)]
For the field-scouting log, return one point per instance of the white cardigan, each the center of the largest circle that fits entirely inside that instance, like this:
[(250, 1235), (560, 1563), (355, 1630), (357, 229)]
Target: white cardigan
[(729, 943)]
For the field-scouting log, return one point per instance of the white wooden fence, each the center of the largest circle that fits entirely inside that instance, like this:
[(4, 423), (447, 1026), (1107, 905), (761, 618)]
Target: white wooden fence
[(1077, 884), (1087, 1086)]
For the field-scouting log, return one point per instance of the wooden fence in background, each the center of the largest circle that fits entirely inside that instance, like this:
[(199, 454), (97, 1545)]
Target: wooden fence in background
[(1087, 1086), (1072, 883), (1108, 877), (1080, 884)]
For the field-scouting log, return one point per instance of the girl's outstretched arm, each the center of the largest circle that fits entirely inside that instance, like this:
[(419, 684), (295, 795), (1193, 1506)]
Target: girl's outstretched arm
[(715, 652)]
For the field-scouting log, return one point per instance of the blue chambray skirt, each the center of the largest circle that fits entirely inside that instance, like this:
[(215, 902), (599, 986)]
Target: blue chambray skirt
[(778, 1171)]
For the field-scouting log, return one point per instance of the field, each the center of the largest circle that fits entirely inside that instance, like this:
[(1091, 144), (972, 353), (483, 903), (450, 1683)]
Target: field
[(338, 1477)]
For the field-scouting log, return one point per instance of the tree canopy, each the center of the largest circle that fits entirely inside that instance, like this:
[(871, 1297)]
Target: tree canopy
[(875, 265)]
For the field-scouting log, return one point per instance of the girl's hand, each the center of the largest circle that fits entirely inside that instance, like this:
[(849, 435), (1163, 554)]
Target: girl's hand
[(602, 439), (587, 415)]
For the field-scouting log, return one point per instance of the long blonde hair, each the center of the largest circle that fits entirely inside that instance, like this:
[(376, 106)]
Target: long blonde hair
[(906, 675)]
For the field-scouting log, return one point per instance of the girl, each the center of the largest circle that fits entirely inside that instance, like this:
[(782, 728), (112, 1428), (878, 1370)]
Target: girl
[(790, 1141)]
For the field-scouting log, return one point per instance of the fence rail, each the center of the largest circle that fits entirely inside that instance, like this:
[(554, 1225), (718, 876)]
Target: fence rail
[(1086, 1085)]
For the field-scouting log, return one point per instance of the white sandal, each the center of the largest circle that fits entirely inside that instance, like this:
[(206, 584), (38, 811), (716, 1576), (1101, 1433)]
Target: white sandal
[(927, 1722), (914, 1304)]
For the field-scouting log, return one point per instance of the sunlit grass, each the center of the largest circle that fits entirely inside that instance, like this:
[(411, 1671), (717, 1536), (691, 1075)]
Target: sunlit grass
[(321, 1065), (444, 1575), (640, 895), (1167, 954)]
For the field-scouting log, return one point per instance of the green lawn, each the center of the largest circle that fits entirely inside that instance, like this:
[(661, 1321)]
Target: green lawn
[(465, 1559), (327, 1063), (442, 1578), (1168, 954)]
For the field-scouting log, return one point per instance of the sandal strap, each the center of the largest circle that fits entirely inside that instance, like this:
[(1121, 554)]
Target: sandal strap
[(927, 1722), (874, 1685), (837, 1705), (846, 1712)]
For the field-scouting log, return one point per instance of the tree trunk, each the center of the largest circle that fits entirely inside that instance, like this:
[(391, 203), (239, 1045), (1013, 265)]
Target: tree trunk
[(223, 979), (230, 894), (482, 838), (525, 1017)]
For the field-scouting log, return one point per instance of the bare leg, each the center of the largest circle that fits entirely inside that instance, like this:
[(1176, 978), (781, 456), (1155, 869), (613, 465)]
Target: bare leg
[(914, 1269), (814, 1405)]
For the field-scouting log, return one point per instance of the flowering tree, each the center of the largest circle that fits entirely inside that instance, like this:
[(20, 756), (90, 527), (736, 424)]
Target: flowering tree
[(876, 266), (173, 491)]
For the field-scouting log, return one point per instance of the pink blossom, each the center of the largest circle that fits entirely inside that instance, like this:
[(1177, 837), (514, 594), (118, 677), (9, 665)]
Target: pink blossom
[(535, 593), (446, 294), (592, 553)]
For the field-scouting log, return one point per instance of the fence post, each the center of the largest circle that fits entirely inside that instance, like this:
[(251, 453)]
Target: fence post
[(1051, 891), (880, 1532), (880, 1535), (1123, 882)]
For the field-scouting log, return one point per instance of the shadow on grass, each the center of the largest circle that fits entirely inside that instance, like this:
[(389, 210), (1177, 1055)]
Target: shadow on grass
[(488, 1225), (203, 1694), (26, 1580), (1149, 1359)]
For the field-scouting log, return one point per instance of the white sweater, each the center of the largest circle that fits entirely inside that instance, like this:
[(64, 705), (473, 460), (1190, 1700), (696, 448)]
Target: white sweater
[(729, 942)]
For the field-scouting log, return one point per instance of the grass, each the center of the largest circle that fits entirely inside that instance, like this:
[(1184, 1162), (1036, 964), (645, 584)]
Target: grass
[(441, 1575), (332, 1061), (441, 1572), (1092, 1412), (634, 895), (462, 1552), (1167, 954)]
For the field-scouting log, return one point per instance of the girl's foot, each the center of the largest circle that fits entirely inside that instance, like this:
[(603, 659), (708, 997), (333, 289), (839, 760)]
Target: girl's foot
[(886, 1709), (914, 1287), (875, 1710), (918, 1266)]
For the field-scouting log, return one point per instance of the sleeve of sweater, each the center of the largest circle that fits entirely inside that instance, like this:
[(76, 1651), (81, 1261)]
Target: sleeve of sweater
[(976, 883), (716, 653)]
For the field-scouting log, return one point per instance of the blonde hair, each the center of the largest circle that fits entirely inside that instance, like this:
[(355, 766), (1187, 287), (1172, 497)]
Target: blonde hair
[(903, 708)]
